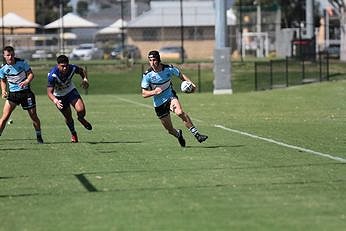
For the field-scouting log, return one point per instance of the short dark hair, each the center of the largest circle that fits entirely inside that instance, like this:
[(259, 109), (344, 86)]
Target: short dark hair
[(154, 54), (62, 59), (8, 49)]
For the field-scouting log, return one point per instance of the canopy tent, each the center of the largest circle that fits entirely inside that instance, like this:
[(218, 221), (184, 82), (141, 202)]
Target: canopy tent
[(13, 21), (115, 28), (70, 20)]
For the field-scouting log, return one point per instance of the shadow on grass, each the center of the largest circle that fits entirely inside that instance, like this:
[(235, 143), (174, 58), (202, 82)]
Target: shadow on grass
[(216, 146)]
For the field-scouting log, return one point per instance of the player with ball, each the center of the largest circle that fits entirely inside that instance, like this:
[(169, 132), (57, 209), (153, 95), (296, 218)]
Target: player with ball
[(156, 83)]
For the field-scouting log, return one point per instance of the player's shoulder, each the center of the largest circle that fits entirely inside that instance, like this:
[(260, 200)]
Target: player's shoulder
[(150, 69), (53, 70), (16, 59), (167, 66)]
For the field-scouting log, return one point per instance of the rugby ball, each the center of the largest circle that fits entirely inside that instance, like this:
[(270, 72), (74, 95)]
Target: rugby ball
[(186, 87)]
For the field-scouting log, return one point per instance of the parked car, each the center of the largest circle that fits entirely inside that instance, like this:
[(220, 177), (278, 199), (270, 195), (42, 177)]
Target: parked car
[(333, 51), (86, 51), (65, 51), (172, 52), (42, 54), (129, 51)]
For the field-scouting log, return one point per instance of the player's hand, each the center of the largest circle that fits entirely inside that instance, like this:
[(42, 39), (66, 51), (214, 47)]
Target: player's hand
[(85, 83), (4, 94), (193, 87), (58, 103), (23, 84), (157, 90)]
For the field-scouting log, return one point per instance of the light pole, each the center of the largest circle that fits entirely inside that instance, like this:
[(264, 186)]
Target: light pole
[(61, 10), (182, 31), (2, 24)]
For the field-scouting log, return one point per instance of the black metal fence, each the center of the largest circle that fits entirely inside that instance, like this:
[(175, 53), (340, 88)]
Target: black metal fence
[(289, 72)]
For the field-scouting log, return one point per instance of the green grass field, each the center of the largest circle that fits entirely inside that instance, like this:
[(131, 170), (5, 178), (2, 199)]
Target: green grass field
[(274, 160)]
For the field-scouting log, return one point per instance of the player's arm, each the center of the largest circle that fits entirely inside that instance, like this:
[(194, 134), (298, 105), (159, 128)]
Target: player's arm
[(148, 93), (82, 72), (183, 77), (52, 97), (29, 77), (3, 84)]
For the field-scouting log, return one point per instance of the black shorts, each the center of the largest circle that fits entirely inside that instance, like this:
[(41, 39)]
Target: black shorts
[(164, 109), (26, 98)]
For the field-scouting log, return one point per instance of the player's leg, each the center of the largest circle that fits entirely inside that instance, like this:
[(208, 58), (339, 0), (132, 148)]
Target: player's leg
[(177, 109), (28, 103), (167, 124), (163, 113), (36, 123), (6, 113), (66, 111), (79, 106)]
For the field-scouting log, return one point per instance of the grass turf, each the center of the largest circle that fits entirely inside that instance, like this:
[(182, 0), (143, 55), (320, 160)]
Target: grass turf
[(129, 174)]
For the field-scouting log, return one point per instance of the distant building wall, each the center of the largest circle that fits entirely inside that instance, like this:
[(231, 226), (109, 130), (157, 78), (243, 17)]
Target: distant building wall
[(23, 8)]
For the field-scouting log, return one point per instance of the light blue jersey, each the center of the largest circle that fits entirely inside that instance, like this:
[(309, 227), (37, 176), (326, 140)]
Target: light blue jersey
[(15, 74), (152, 79)]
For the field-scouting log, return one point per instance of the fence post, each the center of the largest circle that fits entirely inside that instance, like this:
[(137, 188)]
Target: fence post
[(286, 71), (256, 86), (327, 67), (86, 89), (199, 77), (303, 70), (271, 73), (320, 61)]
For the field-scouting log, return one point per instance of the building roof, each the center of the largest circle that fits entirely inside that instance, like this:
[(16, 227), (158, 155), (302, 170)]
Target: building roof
[(167, 14)]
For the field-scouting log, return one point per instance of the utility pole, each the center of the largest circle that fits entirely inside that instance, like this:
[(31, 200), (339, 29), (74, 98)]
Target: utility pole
[(182, 31), (2, 24), (222, 52), (343, 32), (61, 10)]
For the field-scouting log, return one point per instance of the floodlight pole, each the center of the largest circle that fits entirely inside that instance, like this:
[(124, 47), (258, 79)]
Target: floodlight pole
[(2, 24), (122, 28), (61, 10), (222, 59), (182, 31)]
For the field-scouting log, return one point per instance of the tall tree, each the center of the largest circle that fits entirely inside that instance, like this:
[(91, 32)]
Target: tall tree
[(343, 31), (48, 10)]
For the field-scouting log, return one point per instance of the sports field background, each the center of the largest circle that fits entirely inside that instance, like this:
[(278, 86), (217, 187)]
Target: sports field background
[(274, 160)]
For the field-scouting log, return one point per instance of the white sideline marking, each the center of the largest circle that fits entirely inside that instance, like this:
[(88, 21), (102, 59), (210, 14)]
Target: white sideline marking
[(257, 137), (283, 144), (134, 102)]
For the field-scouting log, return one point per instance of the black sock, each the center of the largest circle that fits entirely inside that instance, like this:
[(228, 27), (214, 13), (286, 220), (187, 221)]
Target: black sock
[(193, 130), (71, 127)]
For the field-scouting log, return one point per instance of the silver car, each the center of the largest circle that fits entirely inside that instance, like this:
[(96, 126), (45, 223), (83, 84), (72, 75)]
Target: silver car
[(86, 51)]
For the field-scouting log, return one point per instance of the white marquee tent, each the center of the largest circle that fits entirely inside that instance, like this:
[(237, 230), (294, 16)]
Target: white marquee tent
[(115, 28), (13, 21), (70, 20)]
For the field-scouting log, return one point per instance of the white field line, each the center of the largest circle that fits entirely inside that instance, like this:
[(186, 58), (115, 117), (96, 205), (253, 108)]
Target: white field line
[(283, 144), (258, 137)]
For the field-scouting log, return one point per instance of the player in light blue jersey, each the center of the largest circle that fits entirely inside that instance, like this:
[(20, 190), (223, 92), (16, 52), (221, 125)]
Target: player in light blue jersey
[(156, 83), (63, 93), (18, 74)]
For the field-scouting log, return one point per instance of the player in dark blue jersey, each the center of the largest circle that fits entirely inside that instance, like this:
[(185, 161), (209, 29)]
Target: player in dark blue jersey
[(63, 93), (156, 83), (18, 74)]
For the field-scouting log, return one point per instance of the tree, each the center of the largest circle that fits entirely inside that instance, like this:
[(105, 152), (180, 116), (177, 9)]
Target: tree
[(293, 11), (82, 8), (48, 10)]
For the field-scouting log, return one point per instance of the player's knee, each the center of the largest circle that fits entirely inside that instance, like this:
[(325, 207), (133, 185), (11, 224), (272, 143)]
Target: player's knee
[(179, 112)]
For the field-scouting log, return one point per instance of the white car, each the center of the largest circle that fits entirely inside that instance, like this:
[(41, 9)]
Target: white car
[(42, 54), (86, 51)]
